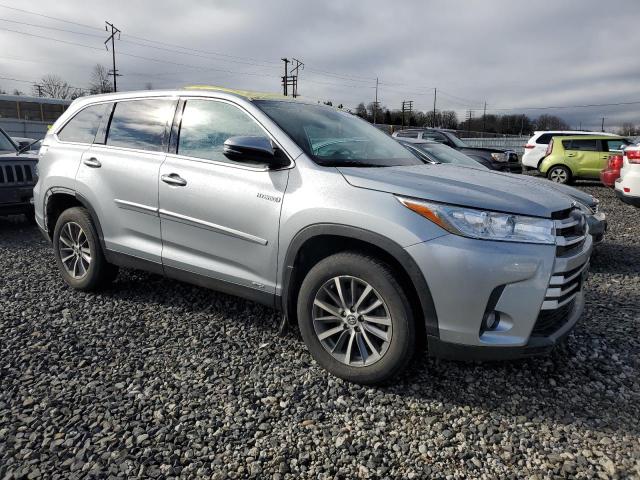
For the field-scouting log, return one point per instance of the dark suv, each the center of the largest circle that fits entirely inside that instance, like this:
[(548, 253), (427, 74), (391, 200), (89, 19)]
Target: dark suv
[(501, 159), (17, 178)]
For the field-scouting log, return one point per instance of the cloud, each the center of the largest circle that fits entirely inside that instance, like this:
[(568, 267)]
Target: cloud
[(507, 53)]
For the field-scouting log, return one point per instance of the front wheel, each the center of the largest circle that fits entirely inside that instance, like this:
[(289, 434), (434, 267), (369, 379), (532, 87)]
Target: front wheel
[(559, 174), (355, 318)]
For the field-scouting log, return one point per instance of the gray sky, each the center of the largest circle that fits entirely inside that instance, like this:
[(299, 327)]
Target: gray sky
[(509, 53)]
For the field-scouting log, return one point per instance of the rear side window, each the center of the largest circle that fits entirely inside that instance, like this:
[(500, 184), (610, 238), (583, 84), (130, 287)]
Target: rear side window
[(408, 134), (545, 138), (582, 145), (616, 144), (83, 126), (206, 124), (140, 124), (436, 137)]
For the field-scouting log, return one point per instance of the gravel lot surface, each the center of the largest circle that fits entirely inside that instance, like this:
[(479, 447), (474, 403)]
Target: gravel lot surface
[(154, 378)]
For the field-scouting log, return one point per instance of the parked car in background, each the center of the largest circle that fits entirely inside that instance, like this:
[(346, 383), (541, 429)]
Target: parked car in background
[(610, 173), (17, 177), (434, 153), (502, 159), (318, 213), (627, 186), (536, 147), (580, 156)]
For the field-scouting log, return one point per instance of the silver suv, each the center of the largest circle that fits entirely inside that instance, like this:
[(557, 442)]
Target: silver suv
[(314, 212)]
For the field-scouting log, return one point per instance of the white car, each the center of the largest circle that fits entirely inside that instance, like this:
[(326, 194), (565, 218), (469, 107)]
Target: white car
[(628, 184), (536, 147)]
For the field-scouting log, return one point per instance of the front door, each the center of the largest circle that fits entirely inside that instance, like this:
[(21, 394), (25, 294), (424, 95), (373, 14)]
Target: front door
[(219, 218)]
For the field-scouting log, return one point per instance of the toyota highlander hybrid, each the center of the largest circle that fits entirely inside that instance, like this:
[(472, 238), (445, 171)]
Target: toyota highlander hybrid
[(315, 212)]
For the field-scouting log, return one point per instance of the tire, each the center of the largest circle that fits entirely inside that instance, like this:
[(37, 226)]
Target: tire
[(560, 174), (75, 235), (393, 318)]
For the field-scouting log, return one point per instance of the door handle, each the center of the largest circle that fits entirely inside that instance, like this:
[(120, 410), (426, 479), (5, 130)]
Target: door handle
[(571, 154), (92, 162), (174, 179)]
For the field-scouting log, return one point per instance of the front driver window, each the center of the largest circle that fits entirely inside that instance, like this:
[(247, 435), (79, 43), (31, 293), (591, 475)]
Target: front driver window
[(206, 124)]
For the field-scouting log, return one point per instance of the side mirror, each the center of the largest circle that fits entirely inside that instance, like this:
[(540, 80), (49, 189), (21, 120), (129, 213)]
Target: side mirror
[(23, 144), (253, 149)]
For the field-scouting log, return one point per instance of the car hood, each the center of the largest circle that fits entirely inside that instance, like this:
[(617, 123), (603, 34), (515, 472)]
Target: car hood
[(12, 157), (469, 187), (579, 195)]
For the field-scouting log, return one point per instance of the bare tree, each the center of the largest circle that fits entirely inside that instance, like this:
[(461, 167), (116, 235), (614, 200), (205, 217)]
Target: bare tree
[(628, 129), (148, 86), (550, 122), (100, 80), (17, 92), (53, 86)]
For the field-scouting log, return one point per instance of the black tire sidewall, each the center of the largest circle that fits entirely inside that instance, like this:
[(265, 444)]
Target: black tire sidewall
[(380, 277), (95, 273)]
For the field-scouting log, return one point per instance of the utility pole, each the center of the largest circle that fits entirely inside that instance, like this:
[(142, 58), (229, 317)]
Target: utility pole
[(291, 79), (375, 103), (469, 118), (435, 95), (407, 106), (39, 88), (112, 37), (484, 118), (285, 78), (602, 129)]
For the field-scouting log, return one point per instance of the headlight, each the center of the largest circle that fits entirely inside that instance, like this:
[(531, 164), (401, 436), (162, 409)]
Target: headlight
[(499, 157), (484, 225)]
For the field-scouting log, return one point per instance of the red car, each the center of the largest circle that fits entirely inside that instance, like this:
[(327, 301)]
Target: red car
[(611, 172)]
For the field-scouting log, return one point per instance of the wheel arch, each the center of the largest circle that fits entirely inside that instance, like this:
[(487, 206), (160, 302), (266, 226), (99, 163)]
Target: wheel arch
[(318, 241), (57, 200)]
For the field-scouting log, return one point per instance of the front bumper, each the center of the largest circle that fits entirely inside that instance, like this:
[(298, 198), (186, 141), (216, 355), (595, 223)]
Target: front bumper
[(521, 282), (597, 227), (537, 345)]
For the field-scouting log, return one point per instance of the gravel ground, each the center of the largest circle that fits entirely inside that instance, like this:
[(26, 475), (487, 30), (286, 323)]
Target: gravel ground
[(154, 378)]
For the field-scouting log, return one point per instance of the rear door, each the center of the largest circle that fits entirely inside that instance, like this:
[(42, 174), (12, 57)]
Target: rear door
[(219, 218), (118, 175), (583, 157)]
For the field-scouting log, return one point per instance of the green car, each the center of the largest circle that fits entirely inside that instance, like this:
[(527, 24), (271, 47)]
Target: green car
[(583, 156)]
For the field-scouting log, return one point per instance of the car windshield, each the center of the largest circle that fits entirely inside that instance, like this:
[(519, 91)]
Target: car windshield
[(6, 145), (445, 154), (335, 138)]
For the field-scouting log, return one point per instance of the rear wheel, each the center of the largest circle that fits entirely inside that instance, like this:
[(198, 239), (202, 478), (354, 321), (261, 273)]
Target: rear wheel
[(356, 319), (559, 174), (78, 252)]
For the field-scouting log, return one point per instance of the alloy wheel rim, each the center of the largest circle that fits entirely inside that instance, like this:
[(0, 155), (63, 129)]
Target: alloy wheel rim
[(74, 249), (352, 321), (558, 175)]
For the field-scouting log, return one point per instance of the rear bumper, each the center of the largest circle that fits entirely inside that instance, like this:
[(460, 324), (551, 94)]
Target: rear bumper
[(536, 346), (635, 201)]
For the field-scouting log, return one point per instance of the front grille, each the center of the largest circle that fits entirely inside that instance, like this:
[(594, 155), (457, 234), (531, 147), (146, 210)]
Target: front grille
[(15, 174), (550, 321), (571, 232)]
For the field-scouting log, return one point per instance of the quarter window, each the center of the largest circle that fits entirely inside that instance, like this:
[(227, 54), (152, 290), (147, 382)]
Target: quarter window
[(140, 124), (206, 124), (83, 126)]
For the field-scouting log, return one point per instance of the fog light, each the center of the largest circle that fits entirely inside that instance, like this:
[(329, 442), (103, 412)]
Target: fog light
[(491, 320)]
